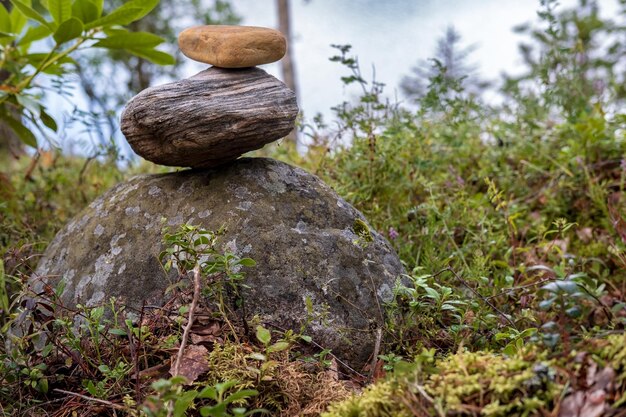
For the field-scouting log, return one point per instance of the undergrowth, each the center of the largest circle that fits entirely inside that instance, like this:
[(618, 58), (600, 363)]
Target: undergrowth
[(510, 221)]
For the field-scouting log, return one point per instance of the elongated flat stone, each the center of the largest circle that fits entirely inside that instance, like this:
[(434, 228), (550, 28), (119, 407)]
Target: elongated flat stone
[(232, 46), (209, 119)]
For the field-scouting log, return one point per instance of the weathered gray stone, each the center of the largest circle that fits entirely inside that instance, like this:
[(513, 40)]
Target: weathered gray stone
[(209, 119), (301, 234)]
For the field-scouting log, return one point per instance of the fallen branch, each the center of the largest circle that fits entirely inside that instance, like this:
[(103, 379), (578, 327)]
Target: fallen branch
[(96, 400)]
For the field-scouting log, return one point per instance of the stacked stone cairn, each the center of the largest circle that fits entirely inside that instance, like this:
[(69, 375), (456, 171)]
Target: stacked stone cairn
[(311, 247), (221, 113)]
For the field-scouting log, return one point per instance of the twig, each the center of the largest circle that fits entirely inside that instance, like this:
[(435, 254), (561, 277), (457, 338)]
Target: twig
[(183, 342), (96, 400), (379, 337), (31, 166), (192, 308), (476, 293), (522, 287), (607, 312), (380, 310)]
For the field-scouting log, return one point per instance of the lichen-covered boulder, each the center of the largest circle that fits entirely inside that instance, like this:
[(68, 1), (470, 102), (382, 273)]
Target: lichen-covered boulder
[(307, 241)]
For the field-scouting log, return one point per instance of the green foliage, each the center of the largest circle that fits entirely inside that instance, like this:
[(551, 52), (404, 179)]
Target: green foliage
[(69, 27), (222, 271), (224, 401), (510, 220), (500, 221)]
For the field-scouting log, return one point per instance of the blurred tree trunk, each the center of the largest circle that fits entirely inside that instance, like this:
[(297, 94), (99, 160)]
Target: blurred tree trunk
[(287, 64), (10, 144)]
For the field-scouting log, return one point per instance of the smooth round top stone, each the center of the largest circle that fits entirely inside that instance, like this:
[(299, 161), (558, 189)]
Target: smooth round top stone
[(232, 46)]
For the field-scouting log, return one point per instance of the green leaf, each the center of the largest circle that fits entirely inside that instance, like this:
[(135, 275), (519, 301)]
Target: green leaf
[(68, 30), (22, 131), (247, 262), (18, 20), (152, 55), (36, 60), (431, 293), (146, 5), (565, 286), (118, 332), (48, 121), (279, 347), (30, 12), (128, 40), (263, 335), (217, 410), (85, 10), (241, 395), (257, 356), (183, 402), (99, 6), (43, 385), (208, 392), (30, 104), (60, 10), (121, 16), (7, 35), (5, 20), (35, 33), (125, 14), (4, 297)]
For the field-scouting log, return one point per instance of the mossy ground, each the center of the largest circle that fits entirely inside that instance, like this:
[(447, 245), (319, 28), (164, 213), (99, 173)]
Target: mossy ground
[(511, 220)]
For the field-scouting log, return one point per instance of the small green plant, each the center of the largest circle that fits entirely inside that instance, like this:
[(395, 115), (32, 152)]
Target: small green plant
[(192, 247), (390, 360), (224, 402)]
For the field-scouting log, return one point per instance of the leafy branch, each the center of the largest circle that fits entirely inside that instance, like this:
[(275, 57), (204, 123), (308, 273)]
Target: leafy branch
[(69, 26)]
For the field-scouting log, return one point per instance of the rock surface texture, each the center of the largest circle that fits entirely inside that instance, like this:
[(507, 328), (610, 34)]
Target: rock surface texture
[(301, 234), (232, 46), (210, 118)]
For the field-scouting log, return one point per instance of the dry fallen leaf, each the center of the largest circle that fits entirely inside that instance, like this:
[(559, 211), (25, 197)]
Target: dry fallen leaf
[(213, 328), (193, 364), (592, 401), (197, 339)]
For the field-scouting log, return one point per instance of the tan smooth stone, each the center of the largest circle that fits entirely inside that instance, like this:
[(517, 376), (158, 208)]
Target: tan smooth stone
[(232, 46)]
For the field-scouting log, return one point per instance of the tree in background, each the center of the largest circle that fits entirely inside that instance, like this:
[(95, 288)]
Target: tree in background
[(287, 63), (451, 64)]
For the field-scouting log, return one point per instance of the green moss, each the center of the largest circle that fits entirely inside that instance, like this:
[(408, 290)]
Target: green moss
[(466, 383), (362, 230), (377, 400), (497, 385)]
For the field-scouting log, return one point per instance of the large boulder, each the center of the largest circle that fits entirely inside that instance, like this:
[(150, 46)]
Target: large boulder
[(307, 241)]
